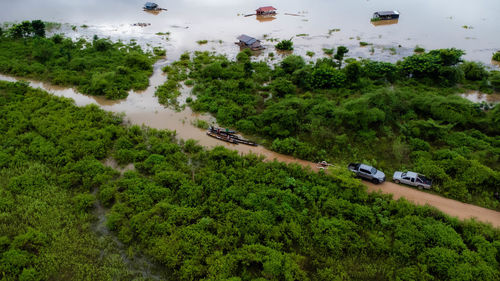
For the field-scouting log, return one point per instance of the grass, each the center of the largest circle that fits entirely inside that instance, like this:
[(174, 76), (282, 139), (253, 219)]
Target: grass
[(202, 124), (202, 42), (330, 31), (328, 51), (49, 26)]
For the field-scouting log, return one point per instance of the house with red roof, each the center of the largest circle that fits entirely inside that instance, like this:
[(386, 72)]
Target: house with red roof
[(267, 10)]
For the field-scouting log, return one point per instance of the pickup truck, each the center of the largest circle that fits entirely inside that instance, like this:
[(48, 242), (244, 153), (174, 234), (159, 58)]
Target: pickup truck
[(412, 178), (367, 172)]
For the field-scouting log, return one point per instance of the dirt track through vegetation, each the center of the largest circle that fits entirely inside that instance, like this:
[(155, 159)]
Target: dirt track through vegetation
[(451, 207)]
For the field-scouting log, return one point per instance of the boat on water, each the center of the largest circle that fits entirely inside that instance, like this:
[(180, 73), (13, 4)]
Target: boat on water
[(225, 131), (228, 136), (225, 138)]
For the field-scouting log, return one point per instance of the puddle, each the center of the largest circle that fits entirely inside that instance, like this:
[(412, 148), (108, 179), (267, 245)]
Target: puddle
[(477, 97)]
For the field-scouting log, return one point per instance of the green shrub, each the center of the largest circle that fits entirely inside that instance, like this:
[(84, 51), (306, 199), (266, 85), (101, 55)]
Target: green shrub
[(285, 45), (496, 56), (419, 49), (158, 51)]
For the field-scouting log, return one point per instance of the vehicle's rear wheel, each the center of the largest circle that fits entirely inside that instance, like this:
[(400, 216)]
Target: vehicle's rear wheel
[(396, 181), (375, 181), (420, 187)]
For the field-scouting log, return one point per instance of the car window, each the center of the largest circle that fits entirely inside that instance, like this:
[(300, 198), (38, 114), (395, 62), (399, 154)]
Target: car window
[(403, 174), (374, 171), (364, 171), (413, 180), (406, 178)]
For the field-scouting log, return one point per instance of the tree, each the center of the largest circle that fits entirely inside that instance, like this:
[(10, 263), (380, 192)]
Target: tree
[(38, 28), (353, 72), (339, 56)]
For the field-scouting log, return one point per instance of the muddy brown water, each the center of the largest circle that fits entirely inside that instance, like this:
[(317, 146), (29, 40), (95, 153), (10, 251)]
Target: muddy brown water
[(142, 108), (323, 24), (478, 97)]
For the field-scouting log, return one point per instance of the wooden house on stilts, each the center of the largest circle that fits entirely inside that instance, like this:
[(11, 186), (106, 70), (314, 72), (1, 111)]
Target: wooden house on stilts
[(249, 42), (268, 10)]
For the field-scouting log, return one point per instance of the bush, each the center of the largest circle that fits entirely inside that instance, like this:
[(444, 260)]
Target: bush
[(474, 71), (292, 63), (419, 49), (160, 52), (496, 56), (285, 45)]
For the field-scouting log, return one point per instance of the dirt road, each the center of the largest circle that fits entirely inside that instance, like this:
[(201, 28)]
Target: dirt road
[(448, 206), (451, 207)]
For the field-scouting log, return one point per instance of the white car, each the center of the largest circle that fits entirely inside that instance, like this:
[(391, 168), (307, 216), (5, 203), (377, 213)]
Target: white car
[(412, 178)]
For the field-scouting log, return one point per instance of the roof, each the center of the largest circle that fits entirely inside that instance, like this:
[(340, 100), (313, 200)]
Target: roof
[(247, 39), (150, 5), (266, 9), (387, 13)]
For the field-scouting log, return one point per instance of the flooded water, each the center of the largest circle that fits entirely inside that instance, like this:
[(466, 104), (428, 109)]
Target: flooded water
[(468, 25), (142, 108), (478, 97)]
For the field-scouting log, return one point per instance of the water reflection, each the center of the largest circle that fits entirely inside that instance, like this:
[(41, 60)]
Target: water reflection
[(265, 18), (384, 22)]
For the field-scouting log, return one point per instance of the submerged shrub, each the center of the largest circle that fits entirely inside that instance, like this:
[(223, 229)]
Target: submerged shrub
[(285, 45)]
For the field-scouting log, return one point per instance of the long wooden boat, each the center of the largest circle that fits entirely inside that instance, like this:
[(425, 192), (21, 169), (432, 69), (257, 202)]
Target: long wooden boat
[(225, 138), (243, 141), (222, 131)]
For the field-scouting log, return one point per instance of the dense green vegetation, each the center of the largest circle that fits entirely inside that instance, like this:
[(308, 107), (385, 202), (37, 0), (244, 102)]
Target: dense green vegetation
[(100, 67), (394, 116), (211, 215), (496, 56), (49, 167)]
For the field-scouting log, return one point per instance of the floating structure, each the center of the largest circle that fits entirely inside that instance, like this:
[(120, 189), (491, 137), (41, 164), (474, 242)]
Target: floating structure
[(267, 10), (385, 15), (152, 7), (249, 42)]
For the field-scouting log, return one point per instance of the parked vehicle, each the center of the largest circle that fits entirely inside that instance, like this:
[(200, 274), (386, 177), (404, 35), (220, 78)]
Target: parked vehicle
[(367, 172), (413, 179)]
